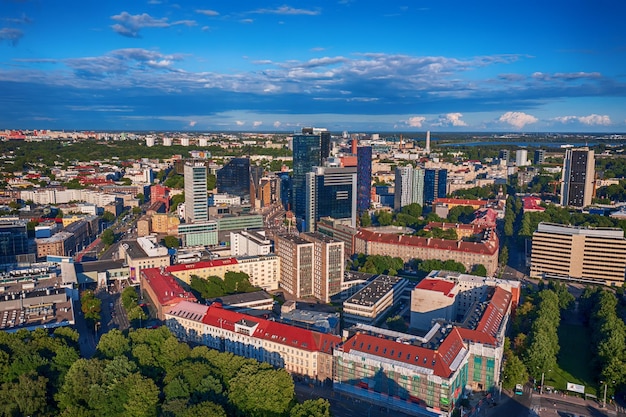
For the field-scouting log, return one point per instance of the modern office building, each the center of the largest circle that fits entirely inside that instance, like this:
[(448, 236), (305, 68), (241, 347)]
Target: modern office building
[(540, 156), (250, 243), (306, 156), (591, 255), (14, 242), (196, 202), (409, 186), (237, 178), (504, 155), (328, 266), (578, 177), (370, 303), (199, 234), (364, 178), (435, 184), (330, 192)]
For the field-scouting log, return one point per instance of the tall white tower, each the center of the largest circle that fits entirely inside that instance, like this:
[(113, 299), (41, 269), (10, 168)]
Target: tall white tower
[(196, 202), (427, 149)]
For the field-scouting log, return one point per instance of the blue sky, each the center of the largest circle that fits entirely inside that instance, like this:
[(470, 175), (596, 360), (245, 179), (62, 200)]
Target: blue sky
[(439, 65)]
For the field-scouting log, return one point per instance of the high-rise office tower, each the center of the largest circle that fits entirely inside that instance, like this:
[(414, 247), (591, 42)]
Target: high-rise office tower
[(330, 192), (435, 184), (14, 242), (234, 177), (504, 155), (196, 202), (409, 187), (363, 177), (540, 156), (578, 177), (324, 145), (427, 148), (307, 154), (521, 157)]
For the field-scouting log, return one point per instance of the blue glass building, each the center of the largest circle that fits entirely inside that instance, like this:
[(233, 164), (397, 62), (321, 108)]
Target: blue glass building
[(332, 193), (435, 184), (364, 177), (306, 156)]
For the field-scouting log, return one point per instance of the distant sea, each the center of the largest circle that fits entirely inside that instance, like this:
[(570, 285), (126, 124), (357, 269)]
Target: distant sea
[(531, 144)]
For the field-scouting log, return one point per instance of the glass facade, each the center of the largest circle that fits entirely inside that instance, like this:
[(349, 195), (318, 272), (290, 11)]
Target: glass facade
[(331, 192), (364, 177), (13, 242), (234, 178), (306, 156), (435, 184)]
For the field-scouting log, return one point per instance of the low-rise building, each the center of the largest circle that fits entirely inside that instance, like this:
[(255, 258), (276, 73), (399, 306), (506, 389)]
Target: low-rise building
[(142, 253), (371, 302), (163, 290)]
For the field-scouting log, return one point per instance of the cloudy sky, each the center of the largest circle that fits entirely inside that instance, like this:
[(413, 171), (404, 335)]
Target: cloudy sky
[(356, 65)]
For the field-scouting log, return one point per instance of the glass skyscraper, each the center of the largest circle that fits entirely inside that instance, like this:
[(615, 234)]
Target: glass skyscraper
[(435, 184), (234, 177), (306, 156), (364, 177), (578, 177), (331, 192)]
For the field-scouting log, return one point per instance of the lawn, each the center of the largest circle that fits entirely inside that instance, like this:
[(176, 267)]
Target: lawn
[(574, 361)]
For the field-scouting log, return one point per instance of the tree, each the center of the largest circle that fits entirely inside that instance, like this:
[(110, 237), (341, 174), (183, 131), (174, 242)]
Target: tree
[(90, 305), (261, 392), (129, 297), (514, 372), (176, 200), (479, 270), (366, 220), (211, 181), (384, 218), (137, 210), (413, 210), (311, 408), (107, 237), (140, 197), (108, 217), (113, 344), (171, 242)]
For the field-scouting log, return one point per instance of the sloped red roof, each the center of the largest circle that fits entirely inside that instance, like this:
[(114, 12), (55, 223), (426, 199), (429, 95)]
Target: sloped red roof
[(165, 287), (439, 360), (284, 334), (488, 247), (437, 285), (201, 264), (494, 313), (461, 201)]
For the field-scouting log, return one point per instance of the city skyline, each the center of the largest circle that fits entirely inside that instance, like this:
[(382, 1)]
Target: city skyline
[(346, 65)]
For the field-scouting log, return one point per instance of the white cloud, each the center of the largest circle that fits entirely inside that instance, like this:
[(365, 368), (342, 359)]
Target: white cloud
[(11, 35), (591, 120), (240, 122), (415, 121), (207, 12), (257, 123), (192, 123), (129, 25), (277, 124), (246, 21), (287, 10), (517, 119), (451, 119)]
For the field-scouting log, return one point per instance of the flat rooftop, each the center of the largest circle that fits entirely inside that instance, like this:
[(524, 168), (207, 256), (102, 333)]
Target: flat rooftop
[(374, 291)]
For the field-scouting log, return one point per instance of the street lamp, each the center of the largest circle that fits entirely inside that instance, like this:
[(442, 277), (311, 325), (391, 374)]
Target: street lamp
[(604, 398), (543, 374)]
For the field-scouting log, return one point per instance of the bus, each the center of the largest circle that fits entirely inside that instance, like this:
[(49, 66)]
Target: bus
[(519, 389)]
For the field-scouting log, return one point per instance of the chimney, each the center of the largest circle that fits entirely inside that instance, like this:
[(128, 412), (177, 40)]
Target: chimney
[(353, 149), (427, 149)]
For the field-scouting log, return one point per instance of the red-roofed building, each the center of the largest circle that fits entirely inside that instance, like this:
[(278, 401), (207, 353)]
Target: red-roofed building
[(264, 271), (433, 299), (408, 377), (532, 204), (485, 217), (484, 252), (299, 351), (453, 202), (163, 290)]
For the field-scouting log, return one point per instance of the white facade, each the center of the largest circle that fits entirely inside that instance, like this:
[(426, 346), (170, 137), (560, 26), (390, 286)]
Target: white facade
[(196, 204), (253, 243), (521, 157)]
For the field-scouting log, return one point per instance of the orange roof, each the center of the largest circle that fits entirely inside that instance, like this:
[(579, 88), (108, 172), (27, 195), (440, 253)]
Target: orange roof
[(437, 285), (461, 202)]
